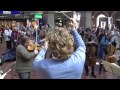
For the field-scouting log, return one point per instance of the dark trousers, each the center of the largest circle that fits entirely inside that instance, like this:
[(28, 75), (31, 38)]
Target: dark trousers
[(14, 44), (8, 44), (25, 75), (87, 70), (1, 39)]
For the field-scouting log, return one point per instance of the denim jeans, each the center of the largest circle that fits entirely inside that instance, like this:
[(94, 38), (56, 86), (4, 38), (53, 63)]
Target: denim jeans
[(102, 53), (25, 75)]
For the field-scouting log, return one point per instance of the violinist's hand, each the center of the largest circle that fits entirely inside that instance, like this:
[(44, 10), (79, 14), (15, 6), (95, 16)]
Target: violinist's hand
[(36, 51)]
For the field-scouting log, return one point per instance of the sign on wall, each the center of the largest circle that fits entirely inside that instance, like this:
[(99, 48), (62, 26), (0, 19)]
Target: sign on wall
[(10, 12), (38, 16)]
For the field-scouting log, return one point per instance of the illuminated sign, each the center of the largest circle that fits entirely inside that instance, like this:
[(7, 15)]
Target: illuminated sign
[(6, 12), (9, 12), (38, 16)]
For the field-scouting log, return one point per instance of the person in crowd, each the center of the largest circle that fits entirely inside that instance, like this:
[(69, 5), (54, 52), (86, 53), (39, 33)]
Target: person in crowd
[(90, 51), (1, 34), (80, 31), (65, 63), (21, 26), (23, 31), (41, 38), (7, 34), (14, 37), (24, 58), (34, 23), (42, 32), (100, 36), (105, 41)]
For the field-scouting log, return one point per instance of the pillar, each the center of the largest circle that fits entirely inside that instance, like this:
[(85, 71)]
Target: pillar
[(51, 19), (88, 19), (83, 19)]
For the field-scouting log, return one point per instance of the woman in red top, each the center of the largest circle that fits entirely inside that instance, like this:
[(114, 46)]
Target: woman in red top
[(1, 34)]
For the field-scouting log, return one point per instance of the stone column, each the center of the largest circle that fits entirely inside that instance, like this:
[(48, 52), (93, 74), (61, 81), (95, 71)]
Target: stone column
[(88, 19), (51, 19), (83, 18)]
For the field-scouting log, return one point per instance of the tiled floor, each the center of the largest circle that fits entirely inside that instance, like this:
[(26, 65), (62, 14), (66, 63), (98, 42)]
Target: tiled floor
[(34, 75)]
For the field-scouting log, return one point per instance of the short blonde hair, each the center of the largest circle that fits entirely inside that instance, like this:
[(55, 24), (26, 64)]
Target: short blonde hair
[(61, 43)]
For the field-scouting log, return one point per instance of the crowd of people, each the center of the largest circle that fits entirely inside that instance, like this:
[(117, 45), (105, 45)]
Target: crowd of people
[(13, 34), (97, 41), (64, 52)]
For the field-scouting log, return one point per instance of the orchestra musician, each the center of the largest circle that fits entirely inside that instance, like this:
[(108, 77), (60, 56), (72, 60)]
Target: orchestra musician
[(90, 40), (65, 63), (105, 41), (24, 58), (100, 36)]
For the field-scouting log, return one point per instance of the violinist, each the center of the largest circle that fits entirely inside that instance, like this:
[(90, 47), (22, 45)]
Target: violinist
[(90, 51), (24, 58), (105, 41)]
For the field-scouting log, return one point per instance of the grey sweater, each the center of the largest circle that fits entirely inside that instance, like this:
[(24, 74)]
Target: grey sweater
[(24, 59)]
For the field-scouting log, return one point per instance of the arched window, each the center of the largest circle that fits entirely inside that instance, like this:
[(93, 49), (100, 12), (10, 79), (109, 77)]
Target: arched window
[(98, 17)]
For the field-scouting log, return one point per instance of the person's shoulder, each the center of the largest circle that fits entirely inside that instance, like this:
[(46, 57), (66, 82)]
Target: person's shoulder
[(19, 46)]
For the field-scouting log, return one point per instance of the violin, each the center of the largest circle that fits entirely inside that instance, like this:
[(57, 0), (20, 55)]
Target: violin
[(32, 46)]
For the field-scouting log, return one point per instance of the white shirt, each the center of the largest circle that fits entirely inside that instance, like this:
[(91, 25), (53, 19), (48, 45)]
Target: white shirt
[(7, 33)]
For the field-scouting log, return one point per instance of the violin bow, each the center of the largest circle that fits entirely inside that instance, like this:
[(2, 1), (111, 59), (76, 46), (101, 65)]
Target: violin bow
[(65, 15), (69, 17)]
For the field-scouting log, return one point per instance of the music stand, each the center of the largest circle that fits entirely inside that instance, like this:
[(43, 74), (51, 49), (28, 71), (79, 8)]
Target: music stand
[(116, 69), (112, 68), (107, 66)]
